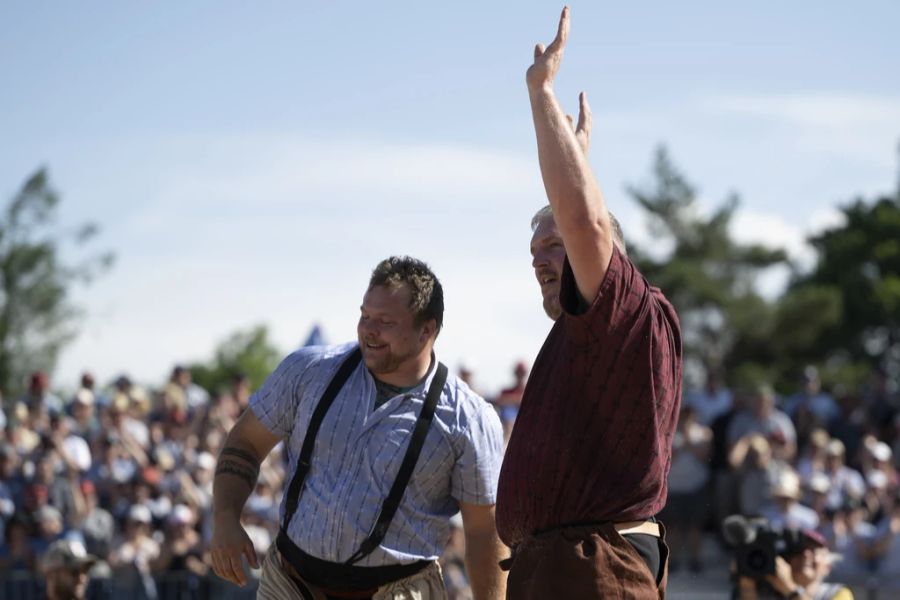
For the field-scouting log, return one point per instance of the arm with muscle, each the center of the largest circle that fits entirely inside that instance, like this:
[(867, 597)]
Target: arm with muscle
[(237, 469), (484, 551), (579, 210)]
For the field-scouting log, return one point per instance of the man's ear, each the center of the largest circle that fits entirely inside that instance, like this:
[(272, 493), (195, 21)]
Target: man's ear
[(428, 330)]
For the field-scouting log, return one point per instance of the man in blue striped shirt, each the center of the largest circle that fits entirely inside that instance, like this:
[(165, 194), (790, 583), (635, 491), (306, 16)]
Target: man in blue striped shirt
[(348, 429)]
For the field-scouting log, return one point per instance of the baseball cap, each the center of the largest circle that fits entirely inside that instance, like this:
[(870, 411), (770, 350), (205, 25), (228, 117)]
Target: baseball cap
[(67, 554)]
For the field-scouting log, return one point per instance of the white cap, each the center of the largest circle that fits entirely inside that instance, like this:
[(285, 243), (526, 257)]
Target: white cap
[(207, 461), (182, 515), (84, 396), (881, 452), (819, 482), (787, 486), (140, 514)]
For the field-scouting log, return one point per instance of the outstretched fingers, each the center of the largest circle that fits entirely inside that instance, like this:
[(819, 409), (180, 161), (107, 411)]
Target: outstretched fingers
[(585, 116), (562, 32)]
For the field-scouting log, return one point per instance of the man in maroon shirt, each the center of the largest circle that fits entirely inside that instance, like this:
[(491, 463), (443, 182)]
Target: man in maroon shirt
[(585, 470)]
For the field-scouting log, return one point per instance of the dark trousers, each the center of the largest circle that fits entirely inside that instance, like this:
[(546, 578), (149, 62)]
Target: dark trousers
[(585, 562)]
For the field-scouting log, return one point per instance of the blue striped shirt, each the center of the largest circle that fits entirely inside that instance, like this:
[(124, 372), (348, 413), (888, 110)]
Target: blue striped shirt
[(358, 452)]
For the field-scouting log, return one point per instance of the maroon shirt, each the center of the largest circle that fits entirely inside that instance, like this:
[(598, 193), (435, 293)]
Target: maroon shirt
[(593, 439)]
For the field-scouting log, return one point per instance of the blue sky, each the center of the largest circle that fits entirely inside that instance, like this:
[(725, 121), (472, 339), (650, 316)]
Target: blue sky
[(250, 163)]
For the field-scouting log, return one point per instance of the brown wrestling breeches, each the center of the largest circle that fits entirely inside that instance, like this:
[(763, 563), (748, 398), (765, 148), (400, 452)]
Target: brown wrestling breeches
[(584, 562)]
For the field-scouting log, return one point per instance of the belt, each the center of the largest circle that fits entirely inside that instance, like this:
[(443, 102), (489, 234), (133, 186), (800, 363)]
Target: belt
[(354, 595), (645, 527), (341, 577)]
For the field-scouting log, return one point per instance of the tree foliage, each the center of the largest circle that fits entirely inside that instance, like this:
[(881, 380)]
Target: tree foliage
[(843, 314), (708, 276), (858, 269), (37, 316), (248, 353)]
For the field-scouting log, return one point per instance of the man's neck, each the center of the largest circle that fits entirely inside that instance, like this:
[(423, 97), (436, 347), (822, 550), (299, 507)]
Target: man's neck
[(411, 376)]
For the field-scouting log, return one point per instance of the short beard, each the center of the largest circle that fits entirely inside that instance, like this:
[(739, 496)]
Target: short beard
[(553, 308), (388, 364)]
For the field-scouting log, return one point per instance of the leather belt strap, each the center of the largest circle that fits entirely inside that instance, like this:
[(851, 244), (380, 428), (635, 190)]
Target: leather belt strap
[(645, 527)]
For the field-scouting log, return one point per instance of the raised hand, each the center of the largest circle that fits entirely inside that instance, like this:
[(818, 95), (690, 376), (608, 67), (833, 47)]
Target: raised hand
[(547, 61), (585, 123)]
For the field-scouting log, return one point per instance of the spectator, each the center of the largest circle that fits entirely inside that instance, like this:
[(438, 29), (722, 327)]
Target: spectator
[(811, 407), (183, 547), (688, 501), (98, 525), (851, 535), (84, 415), (710, 402), (724, 475), (66, 566), (786, 511), (510, 398), (885, 548), (38, 397), (755, 473), (72, 449), (845, 482), (800, 573), (762, 417), (192, 397), (57, 490), (16, 552), (136, 547)]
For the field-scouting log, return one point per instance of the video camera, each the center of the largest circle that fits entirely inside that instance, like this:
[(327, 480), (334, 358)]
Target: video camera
[(756, 544)]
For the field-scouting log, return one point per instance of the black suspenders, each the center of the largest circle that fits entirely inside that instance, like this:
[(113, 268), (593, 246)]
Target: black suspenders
[(392, 502)]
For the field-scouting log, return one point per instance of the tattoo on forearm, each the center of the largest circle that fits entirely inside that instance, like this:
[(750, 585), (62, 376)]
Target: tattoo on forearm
[(243, 454), (228, 467)]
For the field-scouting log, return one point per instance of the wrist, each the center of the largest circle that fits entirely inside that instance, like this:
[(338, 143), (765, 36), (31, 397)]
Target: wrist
[(226, 515), (543, 89)]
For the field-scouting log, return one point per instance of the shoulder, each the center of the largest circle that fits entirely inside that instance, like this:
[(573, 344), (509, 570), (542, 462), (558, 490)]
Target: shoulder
[(466, 408), (316, 359)]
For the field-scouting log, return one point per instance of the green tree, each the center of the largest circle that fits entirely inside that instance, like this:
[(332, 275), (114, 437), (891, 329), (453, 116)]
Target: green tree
[(708, 276), (37, 316), (858, 272), (249, 353)]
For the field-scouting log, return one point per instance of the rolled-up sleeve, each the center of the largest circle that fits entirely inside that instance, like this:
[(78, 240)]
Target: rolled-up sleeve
[(480, 453)]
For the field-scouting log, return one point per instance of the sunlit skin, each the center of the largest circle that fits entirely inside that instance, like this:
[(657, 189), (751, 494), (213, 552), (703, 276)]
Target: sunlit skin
[(394, 348), (547, 257)]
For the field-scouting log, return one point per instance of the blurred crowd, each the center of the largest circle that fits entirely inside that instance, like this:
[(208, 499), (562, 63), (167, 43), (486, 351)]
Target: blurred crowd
[(127, 472), (817, 460)]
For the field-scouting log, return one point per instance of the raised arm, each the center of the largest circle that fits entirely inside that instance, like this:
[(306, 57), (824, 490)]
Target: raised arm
[(247, 445), (578, 207)]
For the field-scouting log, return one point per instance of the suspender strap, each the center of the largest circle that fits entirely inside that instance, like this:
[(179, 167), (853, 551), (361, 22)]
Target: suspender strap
[(309, 442), (417, 440), (392, 502)]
